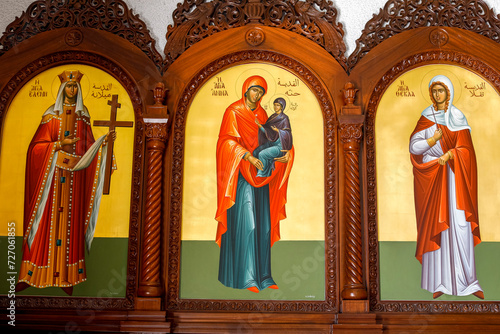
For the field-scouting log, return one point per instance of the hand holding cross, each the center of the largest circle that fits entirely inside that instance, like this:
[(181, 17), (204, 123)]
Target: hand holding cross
[(111, 124)]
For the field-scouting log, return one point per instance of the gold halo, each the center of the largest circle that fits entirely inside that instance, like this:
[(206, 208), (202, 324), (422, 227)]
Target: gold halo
[(84, 84), (457, 87), (271, 82)]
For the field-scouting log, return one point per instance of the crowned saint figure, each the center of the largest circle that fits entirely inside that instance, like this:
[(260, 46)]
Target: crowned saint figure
[(63, 188)]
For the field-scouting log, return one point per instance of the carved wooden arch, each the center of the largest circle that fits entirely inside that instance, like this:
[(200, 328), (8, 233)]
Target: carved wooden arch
[(178, 137), (375, 70), (195, 20), (111, 16), (462, 59), (7, 94), (399, 16)]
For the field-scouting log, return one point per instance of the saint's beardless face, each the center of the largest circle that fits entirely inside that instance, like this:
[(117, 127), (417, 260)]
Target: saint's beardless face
[(439, 94), (70, 90), (254, 94), (277, 108)]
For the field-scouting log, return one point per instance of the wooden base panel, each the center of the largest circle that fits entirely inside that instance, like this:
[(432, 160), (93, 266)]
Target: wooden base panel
[(77, 321), (147, 303), (254, 322), (355, 306)]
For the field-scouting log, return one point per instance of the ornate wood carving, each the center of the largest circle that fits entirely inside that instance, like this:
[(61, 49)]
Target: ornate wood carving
[(255, 36), (350, 135), (431, 57), (112, 16), (439, 37), (156, 136), (398, 16), (351, 132), (173, 301), (74, 37), (195, 20), (6, 96)]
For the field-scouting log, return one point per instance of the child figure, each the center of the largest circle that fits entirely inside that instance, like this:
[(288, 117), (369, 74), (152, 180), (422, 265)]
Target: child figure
[(274, 137)]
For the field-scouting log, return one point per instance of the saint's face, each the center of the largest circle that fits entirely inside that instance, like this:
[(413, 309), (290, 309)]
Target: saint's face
[(277, 108), (254, 94), (71, 90), (439, 94)]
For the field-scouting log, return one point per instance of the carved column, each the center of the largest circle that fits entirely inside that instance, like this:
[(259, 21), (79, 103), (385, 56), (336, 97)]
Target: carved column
[(156, 120), (351, 133)]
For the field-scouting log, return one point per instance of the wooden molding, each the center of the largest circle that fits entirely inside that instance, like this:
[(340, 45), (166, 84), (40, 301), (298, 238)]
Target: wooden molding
[(314, 19), (399, 16), (112, 16)]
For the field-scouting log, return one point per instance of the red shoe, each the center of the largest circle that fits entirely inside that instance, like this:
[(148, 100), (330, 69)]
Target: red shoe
[(437, 294), (479, 294), (274, 286), (253, 289), (21, 286)]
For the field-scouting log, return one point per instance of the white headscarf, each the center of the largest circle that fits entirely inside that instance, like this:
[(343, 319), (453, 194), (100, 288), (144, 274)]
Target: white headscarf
[(453, 118), (57, 108)]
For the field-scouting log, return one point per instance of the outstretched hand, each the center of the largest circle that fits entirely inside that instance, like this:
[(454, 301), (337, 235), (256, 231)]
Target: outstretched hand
[(285, 158), (69, 140), (256, 162)]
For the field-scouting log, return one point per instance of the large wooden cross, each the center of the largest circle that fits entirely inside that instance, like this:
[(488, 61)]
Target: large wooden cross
[(111, 124)]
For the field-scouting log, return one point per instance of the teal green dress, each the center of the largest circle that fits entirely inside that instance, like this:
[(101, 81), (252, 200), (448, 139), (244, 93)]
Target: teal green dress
[(245, 252)]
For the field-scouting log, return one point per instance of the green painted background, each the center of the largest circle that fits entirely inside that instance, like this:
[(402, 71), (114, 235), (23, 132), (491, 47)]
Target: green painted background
[(106, 270), (400, 272), (298, 268)]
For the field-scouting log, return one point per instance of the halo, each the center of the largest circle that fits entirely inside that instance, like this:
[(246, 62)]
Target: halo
[(84, 84), (457, 87), (271, 82)]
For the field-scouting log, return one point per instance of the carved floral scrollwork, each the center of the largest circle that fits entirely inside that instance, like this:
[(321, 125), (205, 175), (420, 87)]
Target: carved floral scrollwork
[(112, 16), (74, 37), (438, 37), (398, 16), (156, 131), (255, 36), (195, 20), (351, 133), (437, 56)]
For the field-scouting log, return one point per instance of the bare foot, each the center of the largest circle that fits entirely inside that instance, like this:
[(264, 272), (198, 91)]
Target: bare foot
[(479, 294), (253, 289), (437, 294)]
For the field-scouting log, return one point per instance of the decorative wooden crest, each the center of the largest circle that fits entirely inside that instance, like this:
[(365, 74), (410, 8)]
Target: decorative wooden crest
[(195, 20), (399, 16), (111, 16)]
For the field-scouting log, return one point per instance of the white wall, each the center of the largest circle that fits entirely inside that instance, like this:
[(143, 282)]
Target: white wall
[(158, 15)]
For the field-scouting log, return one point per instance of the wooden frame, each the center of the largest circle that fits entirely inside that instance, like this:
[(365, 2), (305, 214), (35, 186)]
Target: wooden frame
[(252, 43), (127, 54), (428, 43), (304, 38)]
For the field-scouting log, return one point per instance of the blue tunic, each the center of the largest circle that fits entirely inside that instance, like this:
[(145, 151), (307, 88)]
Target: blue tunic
[(245, 252)]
